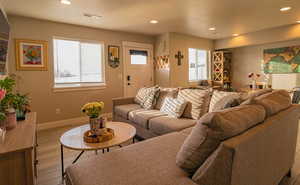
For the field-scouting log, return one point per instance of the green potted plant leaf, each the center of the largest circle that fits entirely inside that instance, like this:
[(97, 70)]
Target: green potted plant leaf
[(20, 103)]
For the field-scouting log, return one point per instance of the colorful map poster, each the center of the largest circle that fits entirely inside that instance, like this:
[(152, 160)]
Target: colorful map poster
[(282, 60)]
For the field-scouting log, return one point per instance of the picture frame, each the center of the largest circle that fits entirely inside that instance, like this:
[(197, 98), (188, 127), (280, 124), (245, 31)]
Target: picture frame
[(114, 56), (31, 55), (3, 53)]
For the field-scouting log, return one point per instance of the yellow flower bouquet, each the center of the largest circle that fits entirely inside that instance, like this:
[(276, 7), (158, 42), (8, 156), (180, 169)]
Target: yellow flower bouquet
[(93, 109)]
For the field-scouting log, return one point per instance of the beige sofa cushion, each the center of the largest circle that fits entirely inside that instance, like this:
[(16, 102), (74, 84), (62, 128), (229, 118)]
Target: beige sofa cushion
[(211, 129), (141, 117), (198, 101), (163, 93), (274, 102), (163, 125), (146, 97), (123, 110), (150, 162)]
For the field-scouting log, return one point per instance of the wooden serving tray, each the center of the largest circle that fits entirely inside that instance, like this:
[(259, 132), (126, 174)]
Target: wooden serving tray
[(107, 135)]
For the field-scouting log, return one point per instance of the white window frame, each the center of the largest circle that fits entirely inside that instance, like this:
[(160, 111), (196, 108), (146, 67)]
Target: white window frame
[(79, 86), (207, 64)]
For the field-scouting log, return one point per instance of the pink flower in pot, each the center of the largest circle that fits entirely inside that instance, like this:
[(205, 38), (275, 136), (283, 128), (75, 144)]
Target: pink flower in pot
[(2, 94)]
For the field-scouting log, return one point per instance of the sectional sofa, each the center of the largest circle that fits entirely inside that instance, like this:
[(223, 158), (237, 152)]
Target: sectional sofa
[(251, 144)]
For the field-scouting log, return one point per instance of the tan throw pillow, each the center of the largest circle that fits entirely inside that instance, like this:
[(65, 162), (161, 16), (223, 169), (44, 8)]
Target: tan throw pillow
[(173, 107), (274, 102), (163, 93), (221, 100), (197, 102), (212, 129)]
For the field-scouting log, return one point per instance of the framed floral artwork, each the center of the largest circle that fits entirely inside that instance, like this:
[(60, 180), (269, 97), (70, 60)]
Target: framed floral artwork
[(31, 55)]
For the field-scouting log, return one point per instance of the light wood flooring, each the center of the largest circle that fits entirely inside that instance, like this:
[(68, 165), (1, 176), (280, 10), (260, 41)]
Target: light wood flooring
[(49, 167)]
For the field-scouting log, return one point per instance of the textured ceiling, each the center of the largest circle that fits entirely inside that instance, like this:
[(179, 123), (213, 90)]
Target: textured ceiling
[(192, 17)]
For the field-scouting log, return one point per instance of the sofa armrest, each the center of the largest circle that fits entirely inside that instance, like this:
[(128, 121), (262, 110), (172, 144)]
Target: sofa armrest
[(123, 101), (217, 167)]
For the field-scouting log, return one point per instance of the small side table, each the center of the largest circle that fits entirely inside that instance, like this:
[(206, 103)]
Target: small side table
[(73, 139)]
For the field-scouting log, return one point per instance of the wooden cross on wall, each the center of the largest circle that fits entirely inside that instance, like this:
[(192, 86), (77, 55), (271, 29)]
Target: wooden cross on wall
[(179, 57)]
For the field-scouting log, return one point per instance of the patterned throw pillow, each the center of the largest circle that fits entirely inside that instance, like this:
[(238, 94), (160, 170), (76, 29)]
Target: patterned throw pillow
[(198, 102), (221, 100), (163, 94), (146, 97), (173, 107)]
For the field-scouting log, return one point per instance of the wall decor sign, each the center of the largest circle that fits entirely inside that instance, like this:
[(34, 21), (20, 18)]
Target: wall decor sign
[(282, 60), (31, 55), (3, 54), (114, 56), (162, 62)]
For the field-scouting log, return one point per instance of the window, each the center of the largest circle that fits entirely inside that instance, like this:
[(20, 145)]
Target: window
[(198, 64), (77, 62), (138, 57)]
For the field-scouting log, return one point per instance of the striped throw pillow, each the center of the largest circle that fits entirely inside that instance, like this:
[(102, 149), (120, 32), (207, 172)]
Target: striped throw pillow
[(146, 97), (173, 107), (221, 100), (198, 102)]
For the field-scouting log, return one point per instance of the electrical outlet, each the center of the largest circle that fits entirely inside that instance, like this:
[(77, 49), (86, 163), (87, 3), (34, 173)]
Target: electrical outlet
[(57, 111)]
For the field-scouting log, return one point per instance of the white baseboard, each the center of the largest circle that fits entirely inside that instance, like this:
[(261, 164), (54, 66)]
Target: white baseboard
[(67, 122)]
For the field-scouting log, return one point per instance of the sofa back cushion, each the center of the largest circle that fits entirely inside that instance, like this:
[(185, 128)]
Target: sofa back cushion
[(173, 107), (221, 100), (197, 102), (274, 102), (163, 93), (213, 128)]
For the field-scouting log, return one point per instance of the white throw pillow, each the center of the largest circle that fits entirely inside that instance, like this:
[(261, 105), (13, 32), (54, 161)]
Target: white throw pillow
[(221, 100), (173, 107)]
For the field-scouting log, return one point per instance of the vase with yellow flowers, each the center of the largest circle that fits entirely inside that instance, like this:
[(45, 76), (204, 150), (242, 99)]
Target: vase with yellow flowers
[(93, 110)]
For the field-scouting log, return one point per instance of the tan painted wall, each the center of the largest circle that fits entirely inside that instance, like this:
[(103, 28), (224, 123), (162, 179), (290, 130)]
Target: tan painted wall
[(39, 84), (180, 42), (162, 45), (285, 33), (248, 59)]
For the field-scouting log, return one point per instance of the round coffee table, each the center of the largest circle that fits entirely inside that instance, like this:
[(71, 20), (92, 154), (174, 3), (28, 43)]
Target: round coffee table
[(73, 139)]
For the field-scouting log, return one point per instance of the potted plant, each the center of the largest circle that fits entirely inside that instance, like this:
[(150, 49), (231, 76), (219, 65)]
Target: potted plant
[(21, 104), (93, 110)]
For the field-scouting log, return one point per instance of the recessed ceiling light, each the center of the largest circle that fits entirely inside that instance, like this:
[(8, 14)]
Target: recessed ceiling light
[(284, 9), (67, 2), (235, 34), (92, 16), (153, 21), (212, 29)]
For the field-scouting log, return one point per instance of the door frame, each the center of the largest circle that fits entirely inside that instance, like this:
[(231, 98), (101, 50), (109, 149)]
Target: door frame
[(126, 44)]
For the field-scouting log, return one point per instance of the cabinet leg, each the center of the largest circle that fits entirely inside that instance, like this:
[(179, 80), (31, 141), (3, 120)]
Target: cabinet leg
[(62, 162)]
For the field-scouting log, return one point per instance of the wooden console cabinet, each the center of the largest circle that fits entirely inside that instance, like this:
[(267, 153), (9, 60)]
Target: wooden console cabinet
[(18, 154)]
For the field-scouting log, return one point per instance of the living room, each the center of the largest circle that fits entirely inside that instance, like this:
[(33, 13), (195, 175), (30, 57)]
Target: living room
[(191, 60)]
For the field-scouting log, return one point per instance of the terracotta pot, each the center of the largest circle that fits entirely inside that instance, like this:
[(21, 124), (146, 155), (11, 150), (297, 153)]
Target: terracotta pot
[(11, 120)]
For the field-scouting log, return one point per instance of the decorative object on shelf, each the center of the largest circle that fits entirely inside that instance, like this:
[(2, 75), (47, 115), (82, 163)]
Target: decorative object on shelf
[(179, 57), (114, 56), (106, 135), (31, 55), (221, 61), (93, 110), (21, 104), (162, 62), (282, 60), (253, 77)]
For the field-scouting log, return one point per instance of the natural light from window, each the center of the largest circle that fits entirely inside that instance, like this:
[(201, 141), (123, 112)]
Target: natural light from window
[(78, 62), (198, 62)]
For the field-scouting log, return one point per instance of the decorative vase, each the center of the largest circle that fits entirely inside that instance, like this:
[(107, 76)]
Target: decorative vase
[(94, 124), (11, 119), (21, 115)]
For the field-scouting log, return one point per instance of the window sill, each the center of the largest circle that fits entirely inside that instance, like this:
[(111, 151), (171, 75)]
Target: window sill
[(78, 87)]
